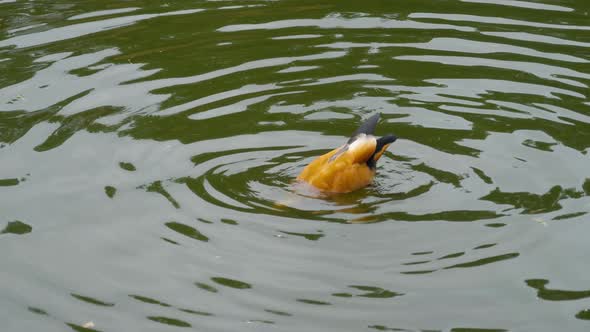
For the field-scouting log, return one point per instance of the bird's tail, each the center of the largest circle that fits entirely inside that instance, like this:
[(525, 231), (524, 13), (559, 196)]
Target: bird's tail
[(368, 127)]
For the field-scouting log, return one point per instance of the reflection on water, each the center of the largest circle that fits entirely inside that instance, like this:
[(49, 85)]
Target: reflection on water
[(148, 155), (555, 294), (16, 227)]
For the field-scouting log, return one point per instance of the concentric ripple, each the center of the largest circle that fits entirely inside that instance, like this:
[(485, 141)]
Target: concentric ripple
[(148, 156)]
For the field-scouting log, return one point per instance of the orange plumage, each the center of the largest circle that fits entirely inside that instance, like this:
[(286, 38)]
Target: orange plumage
[(351, 166)]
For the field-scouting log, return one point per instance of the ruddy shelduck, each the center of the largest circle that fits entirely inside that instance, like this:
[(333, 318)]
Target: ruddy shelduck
[(351, 166)]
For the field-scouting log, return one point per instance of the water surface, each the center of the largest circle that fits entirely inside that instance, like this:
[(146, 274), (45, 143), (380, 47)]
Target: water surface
[(148, 151)]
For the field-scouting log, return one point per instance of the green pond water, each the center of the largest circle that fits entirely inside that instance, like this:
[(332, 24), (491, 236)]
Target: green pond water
[(148, 151)]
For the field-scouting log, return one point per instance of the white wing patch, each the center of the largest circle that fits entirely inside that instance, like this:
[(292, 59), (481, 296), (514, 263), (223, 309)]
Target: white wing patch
[(361, 140)]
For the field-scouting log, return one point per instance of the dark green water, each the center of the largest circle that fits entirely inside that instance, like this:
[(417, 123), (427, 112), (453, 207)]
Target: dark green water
[(148, 149)]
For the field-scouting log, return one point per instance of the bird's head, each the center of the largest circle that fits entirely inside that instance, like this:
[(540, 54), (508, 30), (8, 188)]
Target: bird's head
[(382, 145)]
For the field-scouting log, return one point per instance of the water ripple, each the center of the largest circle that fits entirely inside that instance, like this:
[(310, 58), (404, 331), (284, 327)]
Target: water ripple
[(335, 21), (524, 4), (82, 29), (544, 71), (496, 21), (463, 46)]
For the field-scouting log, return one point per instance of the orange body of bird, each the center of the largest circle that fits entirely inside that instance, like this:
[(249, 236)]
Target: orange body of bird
[(351, 166)]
